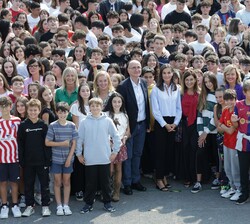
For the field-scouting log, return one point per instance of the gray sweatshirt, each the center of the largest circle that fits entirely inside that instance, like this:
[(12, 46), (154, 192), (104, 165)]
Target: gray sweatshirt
[(94, 135)]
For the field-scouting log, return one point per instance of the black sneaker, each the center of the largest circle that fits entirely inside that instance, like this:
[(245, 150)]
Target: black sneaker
[(79, 196), (215, 184), (87, 208), (109, 208), (242, 200), (197, 188)]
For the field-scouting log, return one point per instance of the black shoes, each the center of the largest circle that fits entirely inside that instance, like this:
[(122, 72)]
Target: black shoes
[(139, 187), (127, 190)]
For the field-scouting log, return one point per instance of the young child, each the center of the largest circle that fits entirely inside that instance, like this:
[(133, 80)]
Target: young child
[(48, 106), (97, 154), (9, 167), (207, 145), (231, 161), (116, 79), (34, 157), (115, 109), (61, 136), (240, 120)]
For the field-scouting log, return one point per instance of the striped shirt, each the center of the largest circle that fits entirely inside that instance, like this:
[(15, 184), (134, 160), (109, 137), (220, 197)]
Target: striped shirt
[(59, 133), (8, 139), (205, 118)]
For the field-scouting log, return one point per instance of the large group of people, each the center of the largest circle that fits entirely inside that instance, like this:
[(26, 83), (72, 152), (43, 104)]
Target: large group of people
[(94, 94)]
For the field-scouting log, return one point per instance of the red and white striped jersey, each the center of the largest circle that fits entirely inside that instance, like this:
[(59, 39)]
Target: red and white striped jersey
[(8, 139)]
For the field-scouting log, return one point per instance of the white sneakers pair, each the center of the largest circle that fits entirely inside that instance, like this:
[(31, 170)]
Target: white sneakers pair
[(15, 211), (63, 210), (233, 194), (30, 210)]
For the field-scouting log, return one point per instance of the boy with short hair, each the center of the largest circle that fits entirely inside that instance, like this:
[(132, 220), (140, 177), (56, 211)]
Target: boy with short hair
[(61, 136), (224, 62), (167, 31), (104, 43), (34, 157), (201, 43), (17, 28), (225, 13), (160, 50), (15, 9), (17, 84), (136, 54), (212, 63), (190, 36), (97, 154), (231, 161), (181, 63), (113, 18), (197, 62), (178, 33), (97, 28), (9, 166), (119, 55), (245, 67), (205, 7), (240, 120)]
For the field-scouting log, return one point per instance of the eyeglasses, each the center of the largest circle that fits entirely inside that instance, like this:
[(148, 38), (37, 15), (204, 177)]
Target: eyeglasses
[(134, 68), (33, 66)]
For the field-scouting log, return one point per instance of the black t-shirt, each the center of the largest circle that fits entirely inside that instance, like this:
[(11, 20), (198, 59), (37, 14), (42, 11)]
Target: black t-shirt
[(47, 36)]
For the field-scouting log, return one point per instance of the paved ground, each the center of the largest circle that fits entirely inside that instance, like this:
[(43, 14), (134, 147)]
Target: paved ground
[(153, 207)]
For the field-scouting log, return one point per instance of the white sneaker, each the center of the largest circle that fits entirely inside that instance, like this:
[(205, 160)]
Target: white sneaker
[(16, 212), (229, 193), (236, 196), (46, 211), (67, 210), (59, 210), (4, 212), (28, 211), (22, 203), (38, 198)]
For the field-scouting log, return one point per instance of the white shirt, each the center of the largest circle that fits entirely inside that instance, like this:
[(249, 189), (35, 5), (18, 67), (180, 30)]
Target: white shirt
[(22, 70), (198, 47), (166, 103), (244, 16), (75, 111), (32, 21), (139, 100), (92, 40)]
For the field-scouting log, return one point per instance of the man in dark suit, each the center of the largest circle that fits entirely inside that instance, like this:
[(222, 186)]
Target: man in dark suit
[(109, 5), (134, 91)]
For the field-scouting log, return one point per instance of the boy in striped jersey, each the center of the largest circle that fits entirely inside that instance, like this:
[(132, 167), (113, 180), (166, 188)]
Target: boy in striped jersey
[(9, 166)]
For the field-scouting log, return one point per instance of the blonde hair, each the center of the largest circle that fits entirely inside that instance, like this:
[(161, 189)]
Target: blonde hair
[(229, 69), (95, 86), (67, 71), (96, 100)]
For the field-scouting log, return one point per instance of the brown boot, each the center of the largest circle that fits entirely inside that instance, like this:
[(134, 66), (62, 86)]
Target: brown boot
[(116, 194)]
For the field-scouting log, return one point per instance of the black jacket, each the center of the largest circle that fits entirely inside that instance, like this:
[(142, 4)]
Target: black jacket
[(31, 144)]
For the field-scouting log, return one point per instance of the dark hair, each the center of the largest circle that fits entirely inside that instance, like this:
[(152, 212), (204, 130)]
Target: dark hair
[(189, 72), (32, 49), (82, 19), (63, 18), (34, 5), (45, 64), (227, 49), (230, 94), (115, 66), (62, 106), (99, 24), (80, 100), (4, 28), (148, 11), (136, 20), (32, 61), (110, 108), (43, 103), (126, 25), (2, 49), (14, 73), (26, 24), (145, 62), (160, 83)]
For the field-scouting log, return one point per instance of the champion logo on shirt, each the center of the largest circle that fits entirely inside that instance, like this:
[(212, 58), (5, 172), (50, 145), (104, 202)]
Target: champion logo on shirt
[(36, 129)]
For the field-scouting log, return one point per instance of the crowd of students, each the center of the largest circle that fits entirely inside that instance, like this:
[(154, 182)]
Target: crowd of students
[(93, 91)]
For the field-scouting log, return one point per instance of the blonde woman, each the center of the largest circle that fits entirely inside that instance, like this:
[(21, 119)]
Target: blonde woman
[(102, 87)]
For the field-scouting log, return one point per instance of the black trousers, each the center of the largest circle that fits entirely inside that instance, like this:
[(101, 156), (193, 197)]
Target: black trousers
[(42, 173), (206, 156), (164, 149), (78, 177), (148, 155), (244, 163), (94, 175), (190, 138)]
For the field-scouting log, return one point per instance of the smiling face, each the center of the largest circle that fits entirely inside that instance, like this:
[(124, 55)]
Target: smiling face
[(209, 84), (8, 68), (47, 96), (50, 81), (219, 97), (20, 107), (70, 79), (102, 82), (85, 92), (33, 91), (95, 109), (167, 75), (116, 104), (231, 77), (33, 112), (190, 82)]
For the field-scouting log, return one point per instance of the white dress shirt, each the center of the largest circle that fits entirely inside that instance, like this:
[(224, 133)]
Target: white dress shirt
[(166, 103), (139, 100)]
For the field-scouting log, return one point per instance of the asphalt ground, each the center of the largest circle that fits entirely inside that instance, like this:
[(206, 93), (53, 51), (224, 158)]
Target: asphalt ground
[(178, 206)]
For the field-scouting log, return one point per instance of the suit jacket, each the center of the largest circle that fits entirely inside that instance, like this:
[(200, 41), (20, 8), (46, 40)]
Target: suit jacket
[(126, 90), (104, 8)]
